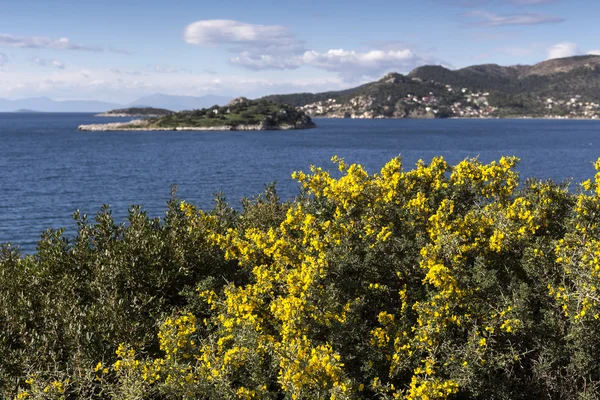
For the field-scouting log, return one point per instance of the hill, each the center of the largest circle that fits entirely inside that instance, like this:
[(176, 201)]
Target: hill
[(558, 77), (567, 87), (394, 96), (239, 114)]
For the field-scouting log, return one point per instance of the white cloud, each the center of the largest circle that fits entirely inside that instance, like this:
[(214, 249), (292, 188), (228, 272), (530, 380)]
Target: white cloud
[(264, 47), (488, 19), (341, 56), (349, 64), (3, 59), (43, 62), (238, 36), (352, 64), (165, 69), (40, 42), (119, 71), (528, 2), (150, 69), (569, 49), (107, 85), (266, 61), (480, 3), (563, 49)]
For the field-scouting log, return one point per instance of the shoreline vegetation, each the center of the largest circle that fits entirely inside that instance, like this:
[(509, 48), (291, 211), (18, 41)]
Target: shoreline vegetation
[(429, 282), (239, 114)]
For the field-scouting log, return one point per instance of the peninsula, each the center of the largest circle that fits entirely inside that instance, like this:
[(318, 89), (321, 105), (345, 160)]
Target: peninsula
[(137, 112), (240, 114)]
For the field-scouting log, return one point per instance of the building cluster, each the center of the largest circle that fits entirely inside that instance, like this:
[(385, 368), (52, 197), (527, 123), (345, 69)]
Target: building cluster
[(472, 104), (322, 108), (575, 107)]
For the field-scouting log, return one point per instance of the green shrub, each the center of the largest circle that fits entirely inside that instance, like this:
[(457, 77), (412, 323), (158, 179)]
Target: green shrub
[(437, 282)]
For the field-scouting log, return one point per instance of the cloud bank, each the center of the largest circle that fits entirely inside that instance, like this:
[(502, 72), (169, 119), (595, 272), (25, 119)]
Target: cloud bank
[(481, 3), (119, 86), (528, 2), (43, 62), (41, 42), (488, 19), (264, 47), (563, 49), (569, 49), (239, 35)]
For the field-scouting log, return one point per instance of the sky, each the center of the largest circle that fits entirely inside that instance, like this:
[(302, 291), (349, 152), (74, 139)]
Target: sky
[(121, 50)]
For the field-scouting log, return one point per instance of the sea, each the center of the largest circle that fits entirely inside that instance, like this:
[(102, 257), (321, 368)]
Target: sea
[(48, 169)]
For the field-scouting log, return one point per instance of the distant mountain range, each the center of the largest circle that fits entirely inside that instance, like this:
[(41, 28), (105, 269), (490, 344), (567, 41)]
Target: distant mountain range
[(562, 77), (44, 104), (566, 88), (175, 103)]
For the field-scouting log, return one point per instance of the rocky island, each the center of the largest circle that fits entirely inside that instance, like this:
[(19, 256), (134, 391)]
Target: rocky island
[(240, 114), (133, 112)]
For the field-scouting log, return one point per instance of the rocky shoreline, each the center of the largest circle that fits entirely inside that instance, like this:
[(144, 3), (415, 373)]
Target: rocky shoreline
[(143, 125)]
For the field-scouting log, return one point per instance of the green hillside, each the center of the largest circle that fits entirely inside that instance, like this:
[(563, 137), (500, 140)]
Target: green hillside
[(565, 88), (239, 112)]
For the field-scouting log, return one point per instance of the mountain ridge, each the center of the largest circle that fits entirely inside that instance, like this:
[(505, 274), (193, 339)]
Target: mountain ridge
[(567, 87)]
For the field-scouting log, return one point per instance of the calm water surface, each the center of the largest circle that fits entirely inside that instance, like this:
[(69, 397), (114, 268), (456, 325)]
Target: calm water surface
[(48, 169)]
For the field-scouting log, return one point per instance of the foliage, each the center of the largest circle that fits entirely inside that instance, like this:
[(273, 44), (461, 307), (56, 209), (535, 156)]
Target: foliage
[(141, 111), (66, 307), (436, 282), (301, 99), (245, 112)]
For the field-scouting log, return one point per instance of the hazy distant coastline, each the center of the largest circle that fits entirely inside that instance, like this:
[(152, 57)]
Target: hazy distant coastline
[(170, 102)]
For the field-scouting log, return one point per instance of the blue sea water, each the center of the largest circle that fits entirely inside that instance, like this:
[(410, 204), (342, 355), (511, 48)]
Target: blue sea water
[(48, 169)]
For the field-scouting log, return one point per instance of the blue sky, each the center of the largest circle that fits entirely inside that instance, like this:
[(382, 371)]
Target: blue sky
[(121, 50)]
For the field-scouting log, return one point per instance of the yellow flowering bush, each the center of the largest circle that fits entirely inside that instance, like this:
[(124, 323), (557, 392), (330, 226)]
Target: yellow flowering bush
[(401, 284), (430, 283)]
